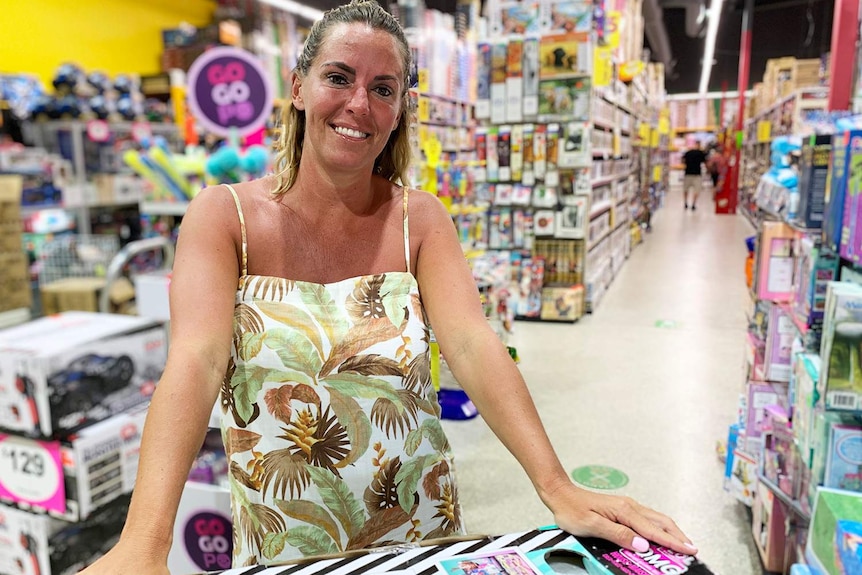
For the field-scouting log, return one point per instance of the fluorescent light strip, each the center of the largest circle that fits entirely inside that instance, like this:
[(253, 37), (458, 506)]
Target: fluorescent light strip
[(293, 7), (708, 95), (709, 46)]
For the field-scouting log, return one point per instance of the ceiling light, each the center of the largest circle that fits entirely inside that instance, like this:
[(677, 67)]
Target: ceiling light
[(709, 46), (296, 8)]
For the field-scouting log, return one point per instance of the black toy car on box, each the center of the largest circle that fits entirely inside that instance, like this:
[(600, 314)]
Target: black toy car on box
[(84, 384)]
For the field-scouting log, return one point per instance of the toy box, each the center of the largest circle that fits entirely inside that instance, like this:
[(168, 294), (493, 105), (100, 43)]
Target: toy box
[(743, 477), (40, 545), (836, 188), (775, 262), (821, 444), (768, 517), (836, 526), (815, 268), (779, 345), (63, 372), (71, 479), (816, 152), (805, 398), (841, 377), (562, 303), (761, 395), (851, 230), (844, 458)]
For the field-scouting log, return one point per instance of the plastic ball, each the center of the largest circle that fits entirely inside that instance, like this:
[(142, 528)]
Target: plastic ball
[(67, 77), (123, 84), (254, 160), (99, 107)]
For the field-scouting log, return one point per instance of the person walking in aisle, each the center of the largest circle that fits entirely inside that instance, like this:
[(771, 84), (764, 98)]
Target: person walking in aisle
[(299, 300), (693, 179)]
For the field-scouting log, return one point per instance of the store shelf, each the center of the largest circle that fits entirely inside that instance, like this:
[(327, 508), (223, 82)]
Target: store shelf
[(602, 238), (600, 208), (784, 498), (163, 208)]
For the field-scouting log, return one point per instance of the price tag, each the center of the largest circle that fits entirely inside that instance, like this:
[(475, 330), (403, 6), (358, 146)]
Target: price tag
[(423, 78), (32, 472), (98, 131)]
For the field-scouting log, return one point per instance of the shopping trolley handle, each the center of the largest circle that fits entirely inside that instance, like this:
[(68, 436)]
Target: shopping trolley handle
[(125, 255)]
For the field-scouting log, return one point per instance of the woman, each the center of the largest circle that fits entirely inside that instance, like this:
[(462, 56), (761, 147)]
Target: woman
[(330, 422)]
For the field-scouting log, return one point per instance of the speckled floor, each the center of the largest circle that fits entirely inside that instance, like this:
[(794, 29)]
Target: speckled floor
[(615, 389)]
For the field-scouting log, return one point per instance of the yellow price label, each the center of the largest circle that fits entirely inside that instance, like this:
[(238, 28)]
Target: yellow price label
[(603, 68), (656, 174), (664, 125), (654, 138), (423, 111), (433, 148), (423, 79), (764, 131), (643, 133), (618, 146)]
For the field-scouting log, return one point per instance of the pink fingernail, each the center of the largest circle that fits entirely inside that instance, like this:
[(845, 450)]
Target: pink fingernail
[(640, 544), (690, 546)]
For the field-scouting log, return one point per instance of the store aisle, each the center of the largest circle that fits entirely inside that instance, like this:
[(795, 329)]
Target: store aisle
[(648, 384)]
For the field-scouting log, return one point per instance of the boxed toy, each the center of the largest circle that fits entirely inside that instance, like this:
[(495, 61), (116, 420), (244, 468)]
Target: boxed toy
[(815, 268), (821, 443), (779, 345), (40, 545), (805, 398), (73, 478), (844, 458), (836, 188), (816, 152), (836, 528), (63, 372), (743, 476), (851, 228), (202, 531), (768, 527), (565, 303), (841, 377), (761, 395), (775, 263)]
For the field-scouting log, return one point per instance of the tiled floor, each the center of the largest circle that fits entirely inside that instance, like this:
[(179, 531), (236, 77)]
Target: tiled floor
[(616, 389)]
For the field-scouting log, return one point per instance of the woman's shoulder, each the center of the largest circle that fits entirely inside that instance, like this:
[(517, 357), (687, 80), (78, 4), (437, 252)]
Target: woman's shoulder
[(218, 201)]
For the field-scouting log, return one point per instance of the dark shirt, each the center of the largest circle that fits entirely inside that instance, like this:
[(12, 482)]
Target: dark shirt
[(693, 159)]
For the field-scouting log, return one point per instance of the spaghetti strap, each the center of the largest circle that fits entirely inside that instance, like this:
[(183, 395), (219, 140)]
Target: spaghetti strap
[(406, 232), (241, 229)]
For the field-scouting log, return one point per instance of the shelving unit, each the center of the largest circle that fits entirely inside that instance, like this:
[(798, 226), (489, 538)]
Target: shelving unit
[(785, 117)]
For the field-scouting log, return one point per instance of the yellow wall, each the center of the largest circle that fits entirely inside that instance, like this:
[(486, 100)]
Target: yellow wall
[(111, 36)]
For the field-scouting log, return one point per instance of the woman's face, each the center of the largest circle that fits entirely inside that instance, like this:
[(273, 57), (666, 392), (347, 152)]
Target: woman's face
[(351, 97)]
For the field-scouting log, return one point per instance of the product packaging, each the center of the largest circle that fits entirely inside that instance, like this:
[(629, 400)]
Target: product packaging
[(64, 372)]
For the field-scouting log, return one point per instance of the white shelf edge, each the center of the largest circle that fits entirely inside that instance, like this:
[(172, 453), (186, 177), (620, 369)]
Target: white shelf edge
[(163, 208)]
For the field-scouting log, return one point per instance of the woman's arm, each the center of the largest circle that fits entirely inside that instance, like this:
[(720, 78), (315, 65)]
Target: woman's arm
[(483, 367), (203, 286)]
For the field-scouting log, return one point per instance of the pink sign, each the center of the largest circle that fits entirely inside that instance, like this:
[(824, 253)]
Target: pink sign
[(31, 472)]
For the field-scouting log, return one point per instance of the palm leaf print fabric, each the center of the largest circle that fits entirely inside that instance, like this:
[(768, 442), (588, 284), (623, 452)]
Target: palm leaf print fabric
[(330, 421)]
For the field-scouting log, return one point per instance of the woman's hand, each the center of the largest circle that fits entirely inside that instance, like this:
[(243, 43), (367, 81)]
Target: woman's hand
[(129, 557), (621, 520)]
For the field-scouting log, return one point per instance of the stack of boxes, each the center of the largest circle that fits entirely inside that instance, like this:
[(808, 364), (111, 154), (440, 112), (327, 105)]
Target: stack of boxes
[(14, 274), (792, 447), (74, 389)]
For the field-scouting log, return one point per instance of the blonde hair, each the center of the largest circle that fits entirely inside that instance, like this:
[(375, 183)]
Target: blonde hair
[(394, 161)]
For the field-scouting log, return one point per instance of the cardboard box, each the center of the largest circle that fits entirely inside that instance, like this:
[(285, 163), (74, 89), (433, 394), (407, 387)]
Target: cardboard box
[(768, 517), (841, 377), (779, 345), (40, 545), (816, 152), (562, 303), (835, 525), (836, 188), (805, 397), (152, 295), (844, 458), (775, 262), (71, 294), (64, 372), (202, 531)]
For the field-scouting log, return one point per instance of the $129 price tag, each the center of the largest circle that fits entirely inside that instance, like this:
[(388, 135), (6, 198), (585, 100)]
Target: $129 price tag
[(32, 472)]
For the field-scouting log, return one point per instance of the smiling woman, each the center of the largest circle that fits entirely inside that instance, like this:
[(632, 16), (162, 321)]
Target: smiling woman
[(302, 301)]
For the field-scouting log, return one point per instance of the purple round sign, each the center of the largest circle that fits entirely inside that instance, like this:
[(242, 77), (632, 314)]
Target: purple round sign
[(229, 92), (209, 540)]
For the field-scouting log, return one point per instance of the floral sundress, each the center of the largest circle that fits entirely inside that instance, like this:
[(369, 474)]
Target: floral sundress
[(329, 419)]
